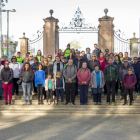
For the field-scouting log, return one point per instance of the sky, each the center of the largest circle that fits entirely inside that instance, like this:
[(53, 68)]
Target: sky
[(29, 17)]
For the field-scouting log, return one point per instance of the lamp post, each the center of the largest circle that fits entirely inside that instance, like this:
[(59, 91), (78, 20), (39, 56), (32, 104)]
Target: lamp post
[(12, 10)]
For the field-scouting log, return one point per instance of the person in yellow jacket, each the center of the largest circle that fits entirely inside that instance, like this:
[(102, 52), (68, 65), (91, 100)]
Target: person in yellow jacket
[(39, 55), (67, 51), (19, 59)]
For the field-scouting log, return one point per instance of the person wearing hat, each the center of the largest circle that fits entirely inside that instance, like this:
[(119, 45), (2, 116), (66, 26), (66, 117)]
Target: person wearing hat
[(19, 59), (67, 51), (65, 63), (5, 58)]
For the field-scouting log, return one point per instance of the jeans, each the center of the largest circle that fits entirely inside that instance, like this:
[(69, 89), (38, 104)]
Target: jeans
[(70, 90), (83, 94), (61, 90), (109, 85), (97, 94), (15, 86), (9, 87), (130, 94), (1, 89), (26, 88)]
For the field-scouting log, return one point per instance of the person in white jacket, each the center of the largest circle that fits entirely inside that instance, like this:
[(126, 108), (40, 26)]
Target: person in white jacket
[(1, 67), (15, 66)]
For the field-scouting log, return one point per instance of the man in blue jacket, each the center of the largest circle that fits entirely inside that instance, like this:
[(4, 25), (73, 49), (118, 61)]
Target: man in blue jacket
[(136, 67)]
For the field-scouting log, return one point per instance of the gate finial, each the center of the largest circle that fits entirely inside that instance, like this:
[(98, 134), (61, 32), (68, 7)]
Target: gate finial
[(51, 12), (106, 11), (134, 35)]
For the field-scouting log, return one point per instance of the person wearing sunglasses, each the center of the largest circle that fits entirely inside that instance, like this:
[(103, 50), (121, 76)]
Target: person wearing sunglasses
[(7, 82), (122, 72), (15, 66), (129, 82), (136, 67), (93, 62), (31, 60), (50, 59)]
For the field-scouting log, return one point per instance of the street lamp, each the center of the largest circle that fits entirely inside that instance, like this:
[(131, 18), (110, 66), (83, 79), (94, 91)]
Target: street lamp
[(12, 10)]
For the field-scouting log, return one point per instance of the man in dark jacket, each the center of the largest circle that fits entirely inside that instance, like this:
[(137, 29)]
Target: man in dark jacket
[(78, 63), (96, 51), (84, 56), (122, 72), (136, 67), (111, 76), (130, 61), (88, 54)]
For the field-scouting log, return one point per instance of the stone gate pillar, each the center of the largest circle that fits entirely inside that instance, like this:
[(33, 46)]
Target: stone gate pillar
[(51, 36), (23, 45), (106, 33)]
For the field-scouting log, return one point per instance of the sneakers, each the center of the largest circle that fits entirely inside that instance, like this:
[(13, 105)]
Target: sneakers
[(62, 103), (6, 103), (113, 103), (85, 103), (95, 103), (28, 103), (34, 94), (47, 103), (124, 104), (73, 103), (136, 94), (0, 97), (99, 103), (81, 103), (122, 98), (56, 103), (67, 103), (24, 103), (9, 103), (52, 103), (108, 103), (17, 94), (130, 104)]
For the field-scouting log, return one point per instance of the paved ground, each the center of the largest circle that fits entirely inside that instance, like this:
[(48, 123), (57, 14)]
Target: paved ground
[(97, 127)]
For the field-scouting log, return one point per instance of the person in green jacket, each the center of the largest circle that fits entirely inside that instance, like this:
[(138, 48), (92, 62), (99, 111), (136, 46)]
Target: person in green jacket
[(111, 76), (67, 51), (121, 56), (19, 59), (39, 55)]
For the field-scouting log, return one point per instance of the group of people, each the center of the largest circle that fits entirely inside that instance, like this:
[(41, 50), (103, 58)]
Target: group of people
[(71, 70)]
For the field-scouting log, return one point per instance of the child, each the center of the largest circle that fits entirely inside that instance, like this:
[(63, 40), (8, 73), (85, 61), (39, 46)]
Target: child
[(39, 82), (97, 82), (59, 87), (49, 88), (129, 83)]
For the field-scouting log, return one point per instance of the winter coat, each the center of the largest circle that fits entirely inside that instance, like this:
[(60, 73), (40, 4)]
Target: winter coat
[(7, 75), (103, 65), (55, 68), (26, 76), (101, 60), (47, 82), (35, 66), (97, 52), (70, 72), (111, 73), (91, 65), (130, 81), (83, 75), (88, 56), (58, 82), (93, 80), (73, 57), (16, 69), (48, 69), (118, 64), (80, 61), (1, 67), (123, 71), (136, 68)]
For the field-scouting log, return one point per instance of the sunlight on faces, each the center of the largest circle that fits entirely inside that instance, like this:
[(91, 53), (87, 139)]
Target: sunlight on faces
[(18, 54), (70, 62), (101, 55), (110, 61), (49, 76), (6, 64), (31, 57), (95, 46), (57, 59), (40, 67), (93, 57), (125, 62), (49, 58), (45, 61), (126, 54), (59, 73), (84, 65), (87, 50), (26, 60)]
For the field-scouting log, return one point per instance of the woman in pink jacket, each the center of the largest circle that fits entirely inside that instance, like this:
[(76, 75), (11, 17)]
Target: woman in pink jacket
[(83, 76)]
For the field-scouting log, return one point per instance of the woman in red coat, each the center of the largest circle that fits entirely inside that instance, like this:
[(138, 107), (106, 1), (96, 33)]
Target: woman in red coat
[(83, 76)]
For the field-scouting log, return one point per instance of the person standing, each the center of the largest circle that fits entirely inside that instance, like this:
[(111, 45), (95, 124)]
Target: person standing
[(31, 60), (101, 58), (15, 66), (67, 51), (26, 60), (136, 67), (121, 56), (39, 55), (41, 59), (50, 59), (96, 51), (88, 54), (39, 82), (122, 72), (93, 62), (59, 53), (7, 82), (117, 63), (97, 83), (84, 57), (26, 77), (111, 76), (65, 63), (70, 72), (83, 76), (129, 82), (112, 56), (58, 66), (19, 59), (106, 51), (71, 56), (1, 67), (5, 59), (130, 61)]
